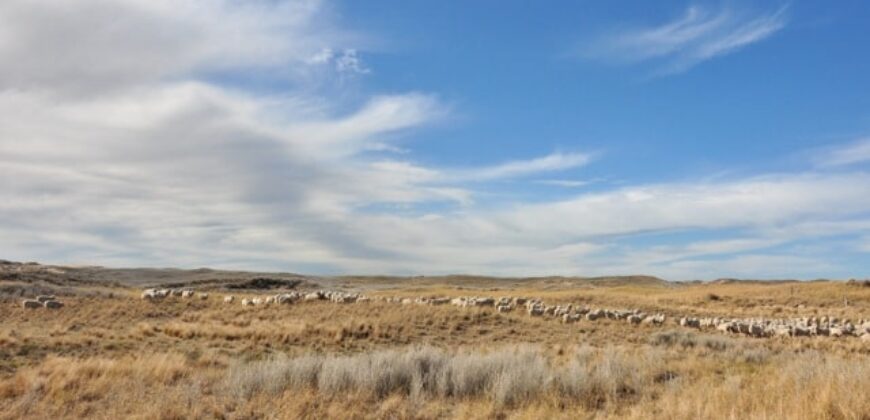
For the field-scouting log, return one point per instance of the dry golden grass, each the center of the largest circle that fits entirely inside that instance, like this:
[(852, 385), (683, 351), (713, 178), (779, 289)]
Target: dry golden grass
[(122, 357)]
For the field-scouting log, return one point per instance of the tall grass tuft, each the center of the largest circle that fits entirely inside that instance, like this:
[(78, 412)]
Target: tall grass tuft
[(507, 377)]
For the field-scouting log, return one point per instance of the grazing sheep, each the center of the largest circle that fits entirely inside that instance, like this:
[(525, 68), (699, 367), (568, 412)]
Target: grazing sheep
[(503, 308), (562, 310), (690, 322), (593, 315), (657, 319), (257, 301), (203, 296), (31, 304), (570, 318), (781, 331), (187, 293), (756, 330), (229, 299), (53, 304), (484, 302), (284, 299), (346, 299), (247, 302), (800, 331), (634, 319), (536, 311)]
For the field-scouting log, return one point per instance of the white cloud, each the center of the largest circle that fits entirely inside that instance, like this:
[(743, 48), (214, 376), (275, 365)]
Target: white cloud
[(550, 163), (348, 62), (88, 46), (698, 35), (851, 154), (567, 183)]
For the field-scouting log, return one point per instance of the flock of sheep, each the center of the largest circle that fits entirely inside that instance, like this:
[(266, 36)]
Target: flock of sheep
[(797, 327), (42, 301), (283, 298), (754, 327)]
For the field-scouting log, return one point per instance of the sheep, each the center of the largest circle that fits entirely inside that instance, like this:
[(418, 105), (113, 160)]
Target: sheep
[(656, 319), (229, 299), (570, 318), (781, 331), (53, 304), (247, 302), (203, 296), (284, 299), (484, 301), (800, 331), (756, 330), (634, 319), (593, 315), (187, 293), (31, 304), (150, 294), (562, 310), (690, 322), (503, 308)]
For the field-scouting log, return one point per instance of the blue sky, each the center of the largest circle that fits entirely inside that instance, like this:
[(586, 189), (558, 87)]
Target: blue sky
[(679, 139)]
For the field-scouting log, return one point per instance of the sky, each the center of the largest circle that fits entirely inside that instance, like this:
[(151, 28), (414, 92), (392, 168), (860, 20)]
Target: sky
[(512, 138)]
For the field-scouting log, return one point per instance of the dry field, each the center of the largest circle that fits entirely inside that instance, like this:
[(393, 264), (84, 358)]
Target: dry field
[(109, 354)]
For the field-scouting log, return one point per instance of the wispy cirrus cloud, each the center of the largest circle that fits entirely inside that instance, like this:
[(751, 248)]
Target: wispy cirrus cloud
[(844, 155), (553, 162), (698, 35)]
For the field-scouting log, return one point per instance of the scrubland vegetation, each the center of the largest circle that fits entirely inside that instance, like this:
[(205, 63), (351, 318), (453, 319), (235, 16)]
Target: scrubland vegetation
[(715, 379), (108, 354)]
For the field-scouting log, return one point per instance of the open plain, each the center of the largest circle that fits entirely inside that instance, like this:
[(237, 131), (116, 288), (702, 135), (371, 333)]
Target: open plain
[(427, 347)]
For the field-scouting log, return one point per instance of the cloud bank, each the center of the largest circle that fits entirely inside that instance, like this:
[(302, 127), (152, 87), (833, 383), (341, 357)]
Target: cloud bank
[(125, 143)]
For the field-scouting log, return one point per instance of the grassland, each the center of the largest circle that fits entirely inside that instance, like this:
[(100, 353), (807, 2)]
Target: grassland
[(109, 354)]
